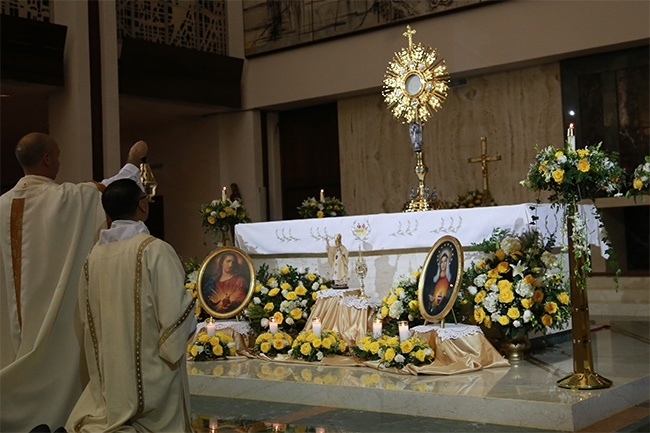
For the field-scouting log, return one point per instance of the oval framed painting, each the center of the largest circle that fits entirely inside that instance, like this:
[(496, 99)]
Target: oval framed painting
[(440, 280), (226, 282)]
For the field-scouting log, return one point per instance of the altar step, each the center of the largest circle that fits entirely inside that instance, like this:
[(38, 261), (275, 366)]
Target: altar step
[(630, 300), (523, 395)]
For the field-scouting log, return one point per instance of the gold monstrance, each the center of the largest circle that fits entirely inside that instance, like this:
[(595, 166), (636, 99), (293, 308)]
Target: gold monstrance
[(148, 179), (415, 85)]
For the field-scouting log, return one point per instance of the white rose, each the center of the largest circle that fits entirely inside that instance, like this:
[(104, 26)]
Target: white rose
[(320, 355), (257, 300), (472, 290), (399, 358)]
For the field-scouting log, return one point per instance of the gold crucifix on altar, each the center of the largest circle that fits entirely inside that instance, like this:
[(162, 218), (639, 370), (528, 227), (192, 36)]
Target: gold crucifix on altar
[(484, 159)]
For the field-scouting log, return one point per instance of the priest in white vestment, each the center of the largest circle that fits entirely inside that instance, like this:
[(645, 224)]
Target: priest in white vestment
[(137, 318), (47, 229)]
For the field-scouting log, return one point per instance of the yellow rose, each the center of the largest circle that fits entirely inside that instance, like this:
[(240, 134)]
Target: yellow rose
[(503, 267), (301, 291), (286, 286), (399, 290), (563, 298), (290, 296), (211, 220), (504, 285), (493, 273), (504, 320), (416, 274), (513, 313), (500, 255), (217, 350), (479, 315), (311, 277), (262, 337), (269, 307), (384, 311), (232, 351), (487, 322), (222, 215), (389, 354), (214, 341), (279, 318), (317, 342), (547, 320), (273, 292), (391, 299), (311, 337), (420, 355), (413, 305), (305, 349), (203, 338), (506, 296), (558, 175), (480, 296), (194, 350), (278, 344), (583, 165), (637, 184), (559, 154), (582, 152), (322, 287), (538, 296), (527, 303), (320, 214), (550, 307), (406, 346), (284, 270), (314, 295), (258, 287), (265, 347), (270, 281), (374, 347), (296, 313), (489, 282), (529, 279)]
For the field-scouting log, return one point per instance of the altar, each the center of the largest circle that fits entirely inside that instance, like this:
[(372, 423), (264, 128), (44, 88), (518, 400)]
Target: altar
[(396, 244)]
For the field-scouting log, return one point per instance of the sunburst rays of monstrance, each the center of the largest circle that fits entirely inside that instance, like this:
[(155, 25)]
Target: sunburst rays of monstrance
[(415, 86)]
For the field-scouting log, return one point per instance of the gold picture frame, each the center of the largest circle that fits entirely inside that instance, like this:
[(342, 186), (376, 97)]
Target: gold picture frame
[(440, 280), (224, 293)]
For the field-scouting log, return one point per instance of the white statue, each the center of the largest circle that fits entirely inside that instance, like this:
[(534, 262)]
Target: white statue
[(337, 255)]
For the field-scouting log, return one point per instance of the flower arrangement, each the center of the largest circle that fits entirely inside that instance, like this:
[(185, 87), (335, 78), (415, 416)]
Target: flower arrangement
[(273, 344), (323, 208), (393, 353), (206, 348), (219, 216), (471, 199), (572, 175), (401, 303), (287, 295), (517, 286), (192, 268), (310, 347), (641, 179)]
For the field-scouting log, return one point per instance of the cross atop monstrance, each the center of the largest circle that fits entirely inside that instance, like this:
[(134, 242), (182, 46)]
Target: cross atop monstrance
[(415, 85), (484, 159)]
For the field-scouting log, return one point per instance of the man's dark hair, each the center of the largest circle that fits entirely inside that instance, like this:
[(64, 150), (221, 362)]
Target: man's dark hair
[(120, 199)]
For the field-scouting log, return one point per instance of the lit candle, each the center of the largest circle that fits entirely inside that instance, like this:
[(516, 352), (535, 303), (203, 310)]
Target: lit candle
[(376, 327), (223, 194), (403, 330), (320, 430), (210, 327), (322, 195), (214, 424), (273, 325), (316, 327), (571, 138), (277, 427)]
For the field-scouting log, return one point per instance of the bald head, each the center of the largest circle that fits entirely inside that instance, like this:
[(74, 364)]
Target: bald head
[(38, 154)]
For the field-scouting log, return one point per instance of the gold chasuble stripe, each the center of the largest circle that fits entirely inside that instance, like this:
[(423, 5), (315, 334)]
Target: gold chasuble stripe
[(16, 233), (138, 321), (91, 325), (170, 330)]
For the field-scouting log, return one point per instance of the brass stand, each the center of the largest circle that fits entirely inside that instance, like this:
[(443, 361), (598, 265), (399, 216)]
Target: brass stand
[(583, 376), (422, 200)]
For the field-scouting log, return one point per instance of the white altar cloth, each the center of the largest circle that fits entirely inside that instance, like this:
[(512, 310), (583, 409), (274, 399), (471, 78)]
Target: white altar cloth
[(394, 245), (404, 230)]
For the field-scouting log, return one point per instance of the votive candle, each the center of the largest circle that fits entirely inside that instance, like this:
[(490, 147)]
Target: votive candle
[(376, 327), (316, 327), (403, 330), (223, 194), (273, 325), (322, 195), (214, 424), (210, 327)]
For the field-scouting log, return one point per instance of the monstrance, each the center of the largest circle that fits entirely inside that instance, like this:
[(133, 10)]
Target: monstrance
[(415, 86)]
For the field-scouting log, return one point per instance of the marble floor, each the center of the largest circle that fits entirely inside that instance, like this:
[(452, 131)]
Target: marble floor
[(251, 395)]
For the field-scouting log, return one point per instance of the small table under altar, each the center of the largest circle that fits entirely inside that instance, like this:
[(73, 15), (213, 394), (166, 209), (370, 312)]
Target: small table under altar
[(344, 311)]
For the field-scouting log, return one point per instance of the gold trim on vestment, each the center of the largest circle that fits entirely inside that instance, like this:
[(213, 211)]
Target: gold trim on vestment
[(16, 236), (174, 326), (137, 296), (91, 324)]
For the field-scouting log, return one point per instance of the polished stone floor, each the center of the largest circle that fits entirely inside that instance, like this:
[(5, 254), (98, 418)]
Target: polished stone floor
[(251, 395)]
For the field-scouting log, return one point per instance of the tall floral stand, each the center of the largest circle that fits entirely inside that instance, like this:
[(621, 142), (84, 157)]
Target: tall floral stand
[(583, 376)]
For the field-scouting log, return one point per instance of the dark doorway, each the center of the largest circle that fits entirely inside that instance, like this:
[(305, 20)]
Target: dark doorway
[(309, 155), (610, 96)]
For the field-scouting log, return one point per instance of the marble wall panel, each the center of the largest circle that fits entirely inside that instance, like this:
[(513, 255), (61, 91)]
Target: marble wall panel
[(516, 110)]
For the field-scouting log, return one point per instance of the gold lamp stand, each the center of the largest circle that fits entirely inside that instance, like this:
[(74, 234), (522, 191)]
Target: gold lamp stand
[(583, 376), (423, 200)]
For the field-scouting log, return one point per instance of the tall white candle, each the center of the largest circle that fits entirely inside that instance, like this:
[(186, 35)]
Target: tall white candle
[(403, 330), (210, 327), (223, 194), (322, 195), (376, 328), (273, 326), (316, 327), (571, 138)]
